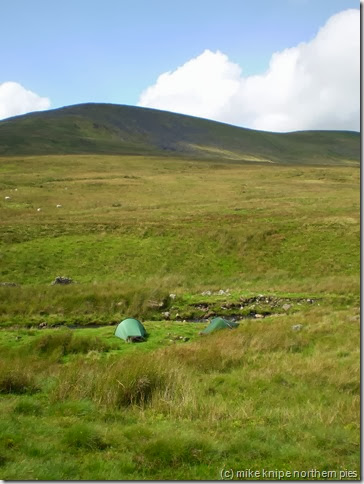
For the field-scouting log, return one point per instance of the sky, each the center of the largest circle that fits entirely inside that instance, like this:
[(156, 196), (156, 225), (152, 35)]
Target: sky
[(275, 65)]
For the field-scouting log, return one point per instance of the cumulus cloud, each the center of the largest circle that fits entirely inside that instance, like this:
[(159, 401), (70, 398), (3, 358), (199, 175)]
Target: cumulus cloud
[(15, 99), (314, 85)]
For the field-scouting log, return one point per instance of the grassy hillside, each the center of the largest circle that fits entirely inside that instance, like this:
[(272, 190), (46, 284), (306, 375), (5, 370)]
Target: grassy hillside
[(281, 392), (113, 129)]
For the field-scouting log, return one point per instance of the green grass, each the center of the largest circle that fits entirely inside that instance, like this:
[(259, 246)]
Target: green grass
[(80, 404)]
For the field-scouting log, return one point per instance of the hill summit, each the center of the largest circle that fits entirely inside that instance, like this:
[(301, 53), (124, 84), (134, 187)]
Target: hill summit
[(119, 129)]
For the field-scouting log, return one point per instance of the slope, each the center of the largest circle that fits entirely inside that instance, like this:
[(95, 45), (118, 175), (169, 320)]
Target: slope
[(117, 129)]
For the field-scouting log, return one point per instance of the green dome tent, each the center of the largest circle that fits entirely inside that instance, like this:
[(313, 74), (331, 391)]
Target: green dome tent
[(219, 323), (131, 330)]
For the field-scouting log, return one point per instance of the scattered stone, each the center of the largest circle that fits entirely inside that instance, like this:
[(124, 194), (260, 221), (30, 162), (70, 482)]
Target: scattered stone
[(209, 314), (167, 315), (62, 280), (42, 325), (259, 316), (285, 307), (155, 304), (355, 318), (206, 293), (172, 296), (7, 198), (10, 284), (297, 327)]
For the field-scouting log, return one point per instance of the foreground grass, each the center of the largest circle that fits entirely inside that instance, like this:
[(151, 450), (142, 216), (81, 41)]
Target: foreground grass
[(261, 396)]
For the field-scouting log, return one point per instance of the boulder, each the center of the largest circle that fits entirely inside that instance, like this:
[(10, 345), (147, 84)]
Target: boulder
[(62, 280)]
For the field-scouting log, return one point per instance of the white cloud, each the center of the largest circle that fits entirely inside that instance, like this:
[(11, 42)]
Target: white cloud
[(15, 99), (314, 85)]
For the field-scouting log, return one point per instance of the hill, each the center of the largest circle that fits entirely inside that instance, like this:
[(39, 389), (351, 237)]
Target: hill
[(117, 129)]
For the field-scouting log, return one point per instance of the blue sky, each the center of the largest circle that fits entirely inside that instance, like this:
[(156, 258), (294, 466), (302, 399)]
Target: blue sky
[(76, 51)]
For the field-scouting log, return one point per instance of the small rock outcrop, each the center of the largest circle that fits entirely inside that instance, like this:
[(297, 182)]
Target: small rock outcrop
[(61, 280)]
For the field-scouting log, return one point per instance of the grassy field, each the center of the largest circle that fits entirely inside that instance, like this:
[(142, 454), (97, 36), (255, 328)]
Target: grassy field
[(79, 403)]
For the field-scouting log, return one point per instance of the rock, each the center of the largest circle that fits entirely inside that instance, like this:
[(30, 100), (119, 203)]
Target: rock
[(221, 292), (155, 304), (355, 318), (7, 198), (42, 325), (259, 316), (209, 314), (167, 315), (172, 296), (39, 209), (206, 293), (62, 280), (58, 206), (297, 327), (186, 339), (10, 284), (286, 307)]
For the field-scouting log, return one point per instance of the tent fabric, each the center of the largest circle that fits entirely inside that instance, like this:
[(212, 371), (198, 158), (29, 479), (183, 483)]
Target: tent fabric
[(219, 323), (131, 330)]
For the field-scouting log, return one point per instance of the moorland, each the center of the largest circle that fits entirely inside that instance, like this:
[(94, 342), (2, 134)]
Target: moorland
[(174, 220)]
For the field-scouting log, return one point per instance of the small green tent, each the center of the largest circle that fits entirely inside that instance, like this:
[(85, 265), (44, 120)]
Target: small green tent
[(131, 330), (219, 323)]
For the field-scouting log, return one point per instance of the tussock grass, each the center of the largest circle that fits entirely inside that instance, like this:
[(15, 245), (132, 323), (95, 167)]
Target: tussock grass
[(143, 380), (28, 407), (65, 343), (17, 378), (82, 436)]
